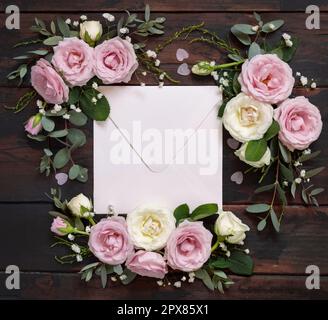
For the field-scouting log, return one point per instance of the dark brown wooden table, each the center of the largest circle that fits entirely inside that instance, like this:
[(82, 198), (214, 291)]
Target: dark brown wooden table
[(280, 259)]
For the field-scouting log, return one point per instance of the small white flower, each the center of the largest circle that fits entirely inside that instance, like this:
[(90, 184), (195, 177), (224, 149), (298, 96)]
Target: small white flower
[(95, 85), (157, 62), (86, 214), (72, 106), (83, 17), (298, 180), (87, 229), (223, 246), (78, 110), (191, 280), (160, 282), (124, 30), (123, 277), (114, 279), (225, 73), (127, 38), (271, 26), (228, 254), (302, 173), (225, 82), (76, 23), (297, 164), (144, 73), (75, 248), (169, 283), (304, 80), (191, 274), (255, 28), (94, 100), (177, 284), (161, 84), (289, 43), (42, 111), (151, 54), (161, 76), (57, 107), (183, 278), (39, 103), (286, 36), (109, 17), (215, 75), (313, 85), (212, 63), (71, 237), (68, 21), (79, 258), (53, 111), (285, 183), (298, 73), (142, 84), (307, 151), (308, 180), (246, 251), (92, 214), (99, 95), (66, 116)]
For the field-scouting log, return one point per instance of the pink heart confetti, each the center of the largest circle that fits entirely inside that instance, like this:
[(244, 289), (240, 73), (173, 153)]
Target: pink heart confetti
[(237, 177), (183, 70), (61, 178), (232, 143), (182, 54)]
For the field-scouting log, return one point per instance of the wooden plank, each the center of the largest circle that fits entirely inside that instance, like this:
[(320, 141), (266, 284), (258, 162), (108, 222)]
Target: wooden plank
[(310, 60), (69, 287), (19, 158), (299, 244)]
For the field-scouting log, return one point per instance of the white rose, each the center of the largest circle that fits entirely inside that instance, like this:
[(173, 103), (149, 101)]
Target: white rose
[(90, 31), (247, 119), (265, 160), (229, 226), (149, 227), (79, 204)]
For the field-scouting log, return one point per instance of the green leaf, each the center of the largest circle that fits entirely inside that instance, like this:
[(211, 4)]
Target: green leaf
[(305, 197), (258, 208), (241, 263), (74, 172), (39, 52), (78, 118), (61, 158), (83, 175), (317, 191), (204, 276), (253, 50), (306, 157), (264, 188), (48, 152), (52, 41), (313, 172), (261, 225), (118, 269), (234, 57), (272, 131), (274, 220), (47, 124), (63, 27), (293, 189), (244, 28), (76, 137), (285, 153), (255, 150), (103, 276), (147, 12), (38, 137), (243, 38), (220, 274), (204, 211), (58, 134), (279, 52), (287, 173), (74, 95), (282, 194), (257, 16), (181, 212), (267, 28), (98, 111), (235, 84), (130, 276), (53, 27), (21, 57), (220, 263), (78, 224), (289, 52)]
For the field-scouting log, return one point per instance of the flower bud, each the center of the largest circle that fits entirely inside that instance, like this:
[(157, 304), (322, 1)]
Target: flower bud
[(33, 125), (79, 205), (202, 68), (61, 227), (90, 31)]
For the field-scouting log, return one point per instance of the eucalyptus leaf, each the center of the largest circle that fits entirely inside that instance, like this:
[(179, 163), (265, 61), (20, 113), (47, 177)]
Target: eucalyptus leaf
[(282, 194), (203, 275), (306, 157), (77, 118), (293, 189), (274, 220), (272, 26), (244, 28), (38, 137), (261, 225), (254, 50), (47, 124), (76, 137), (313, 172), (61, 158), (74, 172), (317, 191), (285, 153), (103, 276), (287, 173), (130, 276), (243, 38), (63, 27), (52, 41), (58, 134), (258, 208)]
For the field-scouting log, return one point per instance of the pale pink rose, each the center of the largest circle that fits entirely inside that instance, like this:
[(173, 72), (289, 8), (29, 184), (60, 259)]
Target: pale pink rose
[(59, 223), (73, 58), (189, 246), (33, 125), (148, 264), (109, 241), (115, 61), (48, 83), (300, 123), (266, 78)]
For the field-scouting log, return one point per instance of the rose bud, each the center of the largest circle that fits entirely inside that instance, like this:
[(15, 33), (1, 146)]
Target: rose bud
[(79, 205), (90, 31), (33, 125), (61, 227), (202, 68)]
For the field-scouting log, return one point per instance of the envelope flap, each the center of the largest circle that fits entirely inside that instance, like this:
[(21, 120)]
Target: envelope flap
[(145, 115)]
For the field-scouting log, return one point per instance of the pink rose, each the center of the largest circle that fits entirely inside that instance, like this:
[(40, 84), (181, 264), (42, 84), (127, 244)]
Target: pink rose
[(148, 264), (109, 241), (189, 246), (267, 78), (300, 123), (48, 84), (60, 226), (33, 125), (73, 58), (115, 61)]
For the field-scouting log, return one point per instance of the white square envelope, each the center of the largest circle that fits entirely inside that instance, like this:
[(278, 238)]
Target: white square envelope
[(160, 146)]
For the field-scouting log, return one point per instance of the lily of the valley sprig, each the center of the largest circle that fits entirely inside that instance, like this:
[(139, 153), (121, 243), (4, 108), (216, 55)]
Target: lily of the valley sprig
[(259, 111)]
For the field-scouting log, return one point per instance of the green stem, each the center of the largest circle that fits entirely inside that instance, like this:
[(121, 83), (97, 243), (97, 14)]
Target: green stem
[(227, 65), (216, 244), (81, 232), (90, 219)]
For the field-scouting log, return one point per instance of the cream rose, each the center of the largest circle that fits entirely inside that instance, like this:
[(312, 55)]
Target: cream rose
[(90, 31), (78, 203), (247, 119), (229, 226), (150, 227), (265, 160)]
